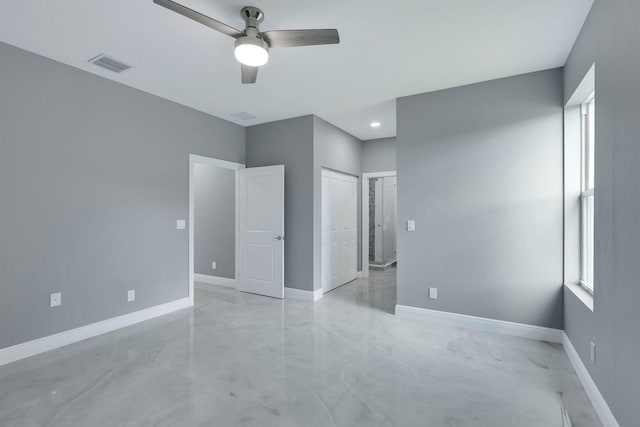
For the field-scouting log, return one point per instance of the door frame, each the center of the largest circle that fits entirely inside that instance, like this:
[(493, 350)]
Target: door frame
[(365, 215), (193, 160)]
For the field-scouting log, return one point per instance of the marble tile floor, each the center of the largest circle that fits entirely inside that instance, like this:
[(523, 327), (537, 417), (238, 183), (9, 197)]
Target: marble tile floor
[(243, 360)]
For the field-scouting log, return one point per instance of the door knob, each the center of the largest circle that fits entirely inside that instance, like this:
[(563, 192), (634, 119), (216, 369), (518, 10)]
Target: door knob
[(278, 238)]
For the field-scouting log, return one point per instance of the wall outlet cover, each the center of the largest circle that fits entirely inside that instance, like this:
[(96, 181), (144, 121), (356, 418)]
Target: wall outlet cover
[(214, 265), (131, 295), (181, 224), (55, 299), (411, 225), (433, 293)]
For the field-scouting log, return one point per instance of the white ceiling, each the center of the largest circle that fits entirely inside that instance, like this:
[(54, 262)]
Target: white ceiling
[(389, 49)]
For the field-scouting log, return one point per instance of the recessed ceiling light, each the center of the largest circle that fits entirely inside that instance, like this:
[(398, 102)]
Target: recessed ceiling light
[(375, 124)]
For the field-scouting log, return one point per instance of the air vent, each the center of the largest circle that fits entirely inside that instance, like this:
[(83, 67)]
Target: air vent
[(109, 63), (243, 116)]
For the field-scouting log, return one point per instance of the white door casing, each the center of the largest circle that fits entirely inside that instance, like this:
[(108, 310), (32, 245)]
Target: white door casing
[(339, 229), (260, 249)]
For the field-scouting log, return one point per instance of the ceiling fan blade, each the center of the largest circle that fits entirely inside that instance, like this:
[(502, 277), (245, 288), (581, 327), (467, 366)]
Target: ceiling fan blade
[(293, 38), (249, 74), (199, 17)]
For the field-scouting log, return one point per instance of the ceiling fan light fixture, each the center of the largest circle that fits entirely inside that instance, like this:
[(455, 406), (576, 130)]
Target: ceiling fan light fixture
[(252, 51)]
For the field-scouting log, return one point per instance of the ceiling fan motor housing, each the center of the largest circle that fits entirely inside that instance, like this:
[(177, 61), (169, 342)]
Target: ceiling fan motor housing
[(251, 12), (252, 17), (251, 35)]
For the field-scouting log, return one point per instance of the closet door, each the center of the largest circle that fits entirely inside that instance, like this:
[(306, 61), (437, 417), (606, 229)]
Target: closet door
[(339, 229)]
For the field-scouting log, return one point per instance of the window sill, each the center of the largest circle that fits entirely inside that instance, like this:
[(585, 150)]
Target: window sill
[(582, 294)]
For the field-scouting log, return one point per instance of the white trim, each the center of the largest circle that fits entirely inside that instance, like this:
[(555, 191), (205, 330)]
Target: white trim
[(365, 215), (481, 323), (51, 342), (215, 162), (597, 400), (300, 295), (193, 159), (582, 293), (584, 89), (363, 274), (382, 267), (215, 280)]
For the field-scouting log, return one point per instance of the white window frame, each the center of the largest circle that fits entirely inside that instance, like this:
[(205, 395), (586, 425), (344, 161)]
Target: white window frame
[(587, 195)]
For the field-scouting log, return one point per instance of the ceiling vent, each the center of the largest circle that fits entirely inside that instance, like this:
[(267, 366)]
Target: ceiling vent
[(244, 116), (109, 63)]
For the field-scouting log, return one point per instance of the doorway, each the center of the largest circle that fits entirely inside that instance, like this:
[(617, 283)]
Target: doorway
[(258, 228), (212, 222), (379, 220)]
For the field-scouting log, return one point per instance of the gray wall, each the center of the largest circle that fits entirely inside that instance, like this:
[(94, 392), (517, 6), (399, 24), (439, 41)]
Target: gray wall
[(610, 38), (290, 143), (379, 155), (215, 219), (93, 176), (304, 145), (334, 149), (480, 170)]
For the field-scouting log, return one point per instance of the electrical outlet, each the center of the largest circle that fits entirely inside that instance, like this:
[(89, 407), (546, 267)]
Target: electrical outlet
[(592, 354), (131, 295), (411, 225), (433, 293), (214, 265), (181, 224), (55, 300)]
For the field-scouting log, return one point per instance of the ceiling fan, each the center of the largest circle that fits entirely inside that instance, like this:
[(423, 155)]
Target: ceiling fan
[(252, 46)]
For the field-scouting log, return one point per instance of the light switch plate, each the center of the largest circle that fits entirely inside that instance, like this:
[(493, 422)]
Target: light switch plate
[(411, 225), (131, 295), (433, 293), (214, 265), (181, 224), (55, 300)]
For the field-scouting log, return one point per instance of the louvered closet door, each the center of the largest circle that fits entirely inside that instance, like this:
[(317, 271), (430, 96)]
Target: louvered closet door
[(339, 229)]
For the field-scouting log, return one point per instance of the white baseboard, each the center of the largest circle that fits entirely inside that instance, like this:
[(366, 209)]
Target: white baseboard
[(597, 400), (481, 323), (51, 342), (299, 294), (214, 280)]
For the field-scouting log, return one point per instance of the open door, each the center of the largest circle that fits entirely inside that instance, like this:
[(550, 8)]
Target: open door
[(260, 252)]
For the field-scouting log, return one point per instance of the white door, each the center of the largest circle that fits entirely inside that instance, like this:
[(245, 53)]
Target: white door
[(339, 229), (260, 251)]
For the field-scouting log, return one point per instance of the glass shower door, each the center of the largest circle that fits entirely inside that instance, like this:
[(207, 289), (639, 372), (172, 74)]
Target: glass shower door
[(382, 221)]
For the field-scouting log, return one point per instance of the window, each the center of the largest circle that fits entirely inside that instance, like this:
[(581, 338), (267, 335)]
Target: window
[(587, 191)]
